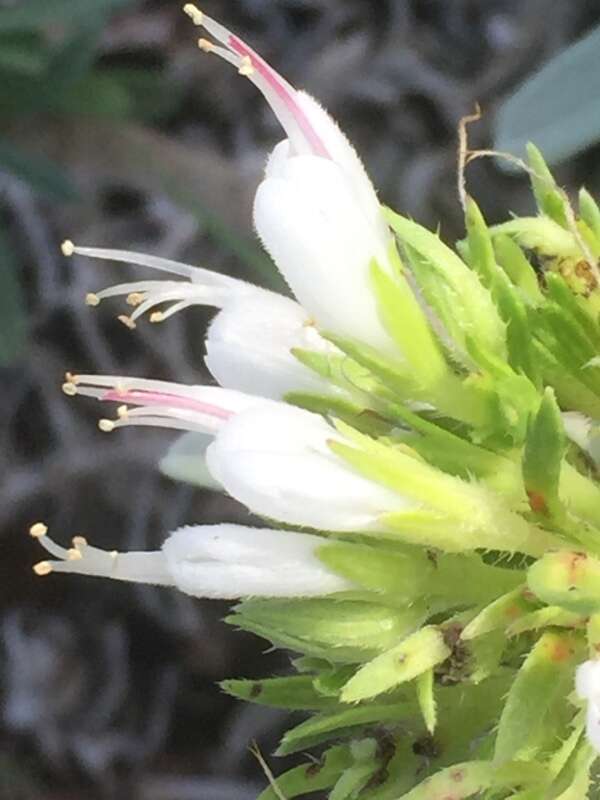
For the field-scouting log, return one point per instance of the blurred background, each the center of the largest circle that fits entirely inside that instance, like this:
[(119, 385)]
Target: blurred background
[(117, 132)]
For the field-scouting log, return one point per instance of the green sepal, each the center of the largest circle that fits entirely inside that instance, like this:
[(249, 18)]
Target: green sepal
[(567, 579), (570, 390), (354, 630), (550, 200), (329, 682), (458, 456), (581, 779), (575, 307), (449, 286), (513, 261), (296, 692), (554, 246), (512, 397), (500, 613), (544, 450), (311, 777), (393, 377), (426, 699), (418, 652), (549, 616), (410, 573), (341, 370), (536, 712), (589, 212), (348, 721), (457, 515), (511, 307), (407, 324), (366, 420), (355, 778)]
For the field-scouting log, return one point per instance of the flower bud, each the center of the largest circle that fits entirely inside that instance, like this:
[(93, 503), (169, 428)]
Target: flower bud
[(567, 579)]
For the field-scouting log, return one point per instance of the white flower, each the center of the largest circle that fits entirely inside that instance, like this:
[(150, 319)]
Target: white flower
[(316, 211), (276, 461), (214, 561), (587, 686), (250, 340)]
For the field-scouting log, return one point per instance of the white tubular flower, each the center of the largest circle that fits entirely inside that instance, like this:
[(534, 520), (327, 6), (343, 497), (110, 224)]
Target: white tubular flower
[(213, 561), (587, 686), (278, 463), (249, 342), (316, 211)]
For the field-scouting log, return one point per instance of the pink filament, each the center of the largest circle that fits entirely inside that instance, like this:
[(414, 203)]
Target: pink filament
[(144, 398), (271, 77)]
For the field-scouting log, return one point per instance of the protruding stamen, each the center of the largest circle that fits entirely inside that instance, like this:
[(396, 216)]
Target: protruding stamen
[(246, 68), (86, 560), (67, 247), (79, 542), (38, 530), (127, 321), (135, 298), (193, 13), (206, 46), (280, 95), (157, 316), (69, 389), (106, 425), (92, 299)]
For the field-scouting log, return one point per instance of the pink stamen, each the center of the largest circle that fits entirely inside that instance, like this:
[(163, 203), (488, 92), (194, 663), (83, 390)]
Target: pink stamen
[(144, 398), (274, 81)]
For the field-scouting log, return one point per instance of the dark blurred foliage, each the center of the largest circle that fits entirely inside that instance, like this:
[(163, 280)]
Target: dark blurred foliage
[(110, 691)]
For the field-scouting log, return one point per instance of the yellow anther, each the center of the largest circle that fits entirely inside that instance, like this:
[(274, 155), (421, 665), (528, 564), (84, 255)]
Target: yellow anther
[(135, 298), (206, 45), (157, 316), (73, 554), (106, 425), (127, 321), (79, 541), (122, 412), (67, 247), (92, 299), (42, 568), (38, 530), (246, 67), (71, 378), (193, 13), (69, 388)]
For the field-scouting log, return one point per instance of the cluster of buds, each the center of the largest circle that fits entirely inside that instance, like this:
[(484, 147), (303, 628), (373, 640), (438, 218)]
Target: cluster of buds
[(429, 416)]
